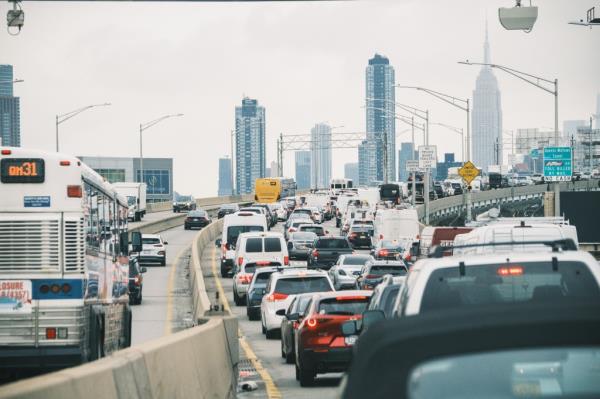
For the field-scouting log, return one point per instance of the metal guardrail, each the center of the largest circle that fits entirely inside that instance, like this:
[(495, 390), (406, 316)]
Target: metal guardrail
[(458, 203)]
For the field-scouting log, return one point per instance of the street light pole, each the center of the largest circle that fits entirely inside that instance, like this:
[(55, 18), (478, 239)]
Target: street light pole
[(144, 126), (65, 117)]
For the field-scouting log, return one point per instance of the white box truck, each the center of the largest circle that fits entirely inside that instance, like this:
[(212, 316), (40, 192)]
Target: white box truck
[(136, 198)]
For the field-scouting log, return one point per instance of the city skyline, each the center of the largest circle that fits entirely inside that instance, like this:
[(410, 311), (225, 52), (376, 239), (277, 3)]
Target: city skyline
[(250, 145), (324, 80)]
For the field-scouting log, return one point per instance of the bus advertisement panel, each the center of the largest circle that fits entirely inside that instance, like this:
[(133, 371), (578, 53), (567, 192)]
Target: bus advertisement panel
[(269, 190)]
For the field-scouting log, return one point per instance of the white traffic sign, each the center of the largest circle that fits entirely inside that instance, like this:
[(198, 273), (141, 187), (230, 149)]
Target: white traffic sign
[(427, 156), (412, 166)]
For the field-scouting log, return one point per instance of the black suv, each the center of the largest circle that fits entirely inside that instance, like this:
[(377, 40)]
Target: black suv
[(227, 209), (327, 250)]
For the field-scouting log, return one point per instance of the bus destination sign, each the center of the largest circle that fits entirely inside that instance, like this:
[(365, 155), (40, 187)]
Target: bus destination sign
[(22, 170)]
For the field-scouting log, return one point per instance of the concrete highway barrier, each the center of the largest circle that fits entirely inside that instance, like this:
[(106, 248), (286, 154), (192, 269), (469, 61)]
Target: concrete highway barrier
[(204, 239), (193, 363)]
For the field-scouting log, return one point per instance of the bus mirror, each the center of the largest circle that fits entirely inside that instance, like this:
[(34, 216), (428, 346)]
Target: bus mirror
[(124, 240), (136, 242)]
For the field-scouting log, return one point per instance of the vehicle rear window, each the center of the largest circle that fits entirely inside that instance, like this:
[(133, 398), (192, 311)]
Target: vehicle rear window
[(388, 269), (391, 245), (272, 244), (356, 260), (313, 229), (332, 244), (303, 236), (197, 214), (262, 279), (343, 306), (150, 241), (233, 232), (300, 285), (254, 245), (510, 283), (250, 268)]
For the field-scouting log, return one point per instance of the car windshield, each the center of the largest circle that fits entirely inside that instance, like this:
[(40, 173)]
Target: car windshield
[(303, 236), (131, 200), (391, 245), (262, 278), (300, 285), (355, 260), (184, 198), (524, 373), (233, 232), (347, 306), (381, 270), (510, 283), (332, 244), (150, 240)]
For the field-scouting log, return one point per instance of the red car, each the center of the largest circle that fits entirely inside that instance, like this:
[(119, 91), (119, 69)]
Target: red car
[(320, 346)]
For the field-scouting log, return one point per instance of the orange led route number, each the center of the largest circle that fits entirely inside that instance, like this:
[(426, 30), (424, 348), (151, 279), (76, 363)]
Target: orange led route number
[(22, 170)]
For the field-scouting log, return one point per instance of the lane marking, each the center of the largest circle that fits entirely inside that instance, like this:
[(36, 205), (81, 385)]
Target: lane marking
[(272, 390), (168, 324)]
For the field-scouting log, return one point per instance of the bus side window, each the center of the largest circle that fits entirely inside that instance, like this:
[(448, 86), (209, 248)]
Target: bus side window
[(92, 222)]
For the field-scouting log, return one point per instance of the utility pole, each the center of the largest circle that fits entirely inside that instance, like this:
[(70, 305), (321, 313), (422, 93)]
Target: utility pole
[(280, 166)]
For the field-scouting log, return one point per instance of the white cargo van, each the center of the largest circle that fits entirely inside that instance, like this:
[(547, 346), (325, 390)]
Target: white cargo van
[(234, 225), (136, 198), (515, 233), (395, 224)]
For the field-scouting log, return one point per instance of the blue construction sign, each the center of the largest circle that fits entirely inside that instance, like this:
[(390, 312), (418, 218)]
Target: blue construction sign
[(558, 163)]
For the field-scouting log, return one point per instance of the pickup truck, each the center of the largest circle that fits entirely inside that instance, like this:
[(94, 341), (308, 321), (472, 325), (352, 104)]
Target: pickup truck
[(326, 251)]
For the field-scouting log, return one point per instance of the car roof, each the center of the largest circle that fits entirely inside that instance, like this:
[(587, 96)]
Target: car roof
[(290, 272), (390, 349), (310, 225), (344, 293), (377, 262), (150, 235), (256, 234)]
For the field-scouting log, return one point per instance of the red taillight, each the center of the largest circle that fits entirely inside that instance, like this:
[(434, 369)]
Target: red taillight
[(188, 219), (244, 278), (6, 152), (353, 235), (372, 276), (263, 263), (65, 163), (384, 252), (312, 323), (240, 260), (291, 229), (276, 296), (137, 280), (510, 271), (286, 260), (315, 253), (50, 333), (74, 191), (295, 325)]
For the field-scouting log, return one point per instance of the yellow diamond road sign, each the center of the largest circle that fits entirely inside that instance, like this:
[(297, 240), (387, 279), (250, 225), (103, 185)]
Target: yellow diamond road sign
[(468, 172)]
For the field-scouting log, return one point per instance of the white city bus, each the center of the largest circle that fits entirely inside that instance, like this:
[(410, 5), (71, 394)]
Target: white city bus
[(63, 262)]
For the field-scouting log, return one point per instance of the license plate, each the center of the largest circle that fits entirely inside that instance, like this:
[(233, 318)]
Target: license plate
[(15, 296), (351, 340)]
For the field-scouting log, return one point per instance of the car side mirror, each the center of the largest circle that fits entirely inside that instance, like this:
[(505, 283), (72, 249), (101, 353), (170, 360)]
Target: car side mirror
[(218, 242), (293, 316), (136, 241), (349, 328), (143, 270), (280, 312), (165, 243), (371, 317)]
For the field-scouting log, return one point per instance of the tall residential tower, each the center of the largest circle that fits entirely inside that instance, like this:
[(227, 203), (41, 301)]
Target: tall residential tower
[(250, 161), (487, 116), (381, 124), (10, 112), (320, 154)]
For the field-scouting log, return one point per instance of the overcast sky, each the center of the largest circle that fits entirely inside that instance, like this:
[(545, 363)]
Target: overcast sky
[(305, 62)]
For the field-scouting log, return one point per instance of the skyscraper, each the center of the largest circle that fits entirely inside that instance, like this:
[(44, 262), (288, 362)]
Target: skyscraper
[(487, 115), (225, 183), (303, 169), (407, 152), (351, 172), (250, 161), (320, 150), (598, 112), (367, 163), (10, 109), (380, 109), (570, 129)]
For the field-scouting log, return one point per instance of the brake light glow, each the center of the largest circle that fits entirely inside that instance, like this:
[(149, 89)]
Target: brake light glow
[(510, 271), (263, 263), (291, 229), (65, 163), (286, 260), (384, 252), (351, 298), (6, 152), (312, 323), (74, 191), (276, 296), (244, 278), (240, 260), (51, 333), (315, 253)]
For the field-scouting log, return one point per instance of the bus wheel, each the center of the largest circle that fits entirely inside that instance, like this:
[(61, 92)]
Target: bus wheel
[(127, 330)]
